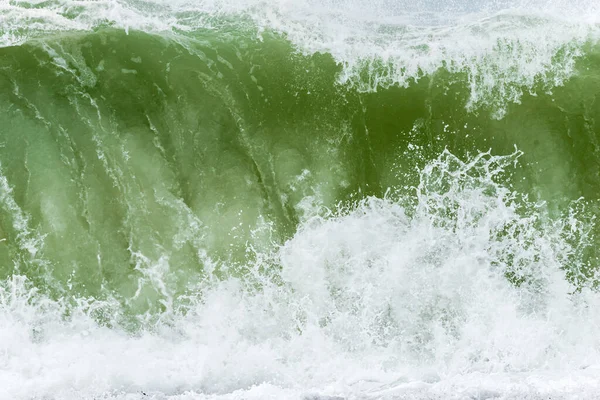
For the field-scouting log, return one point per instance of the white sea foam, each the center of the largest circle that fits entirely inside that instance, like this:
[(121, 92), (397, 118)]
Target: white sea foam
[(377, 300)]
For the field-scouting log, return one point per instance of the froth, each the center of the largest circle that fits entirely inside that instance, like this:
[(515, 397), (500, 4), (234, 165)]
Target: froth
[(461, 289)]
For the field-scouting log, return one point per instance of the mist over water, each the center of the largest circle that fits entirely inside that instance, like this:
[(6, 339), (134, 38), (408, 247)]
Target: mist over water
[(299, 200)]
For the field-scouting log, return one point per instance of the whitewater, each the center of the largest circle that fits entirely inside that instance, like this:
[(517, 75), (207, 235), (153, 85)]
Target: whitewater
[(337, 199)]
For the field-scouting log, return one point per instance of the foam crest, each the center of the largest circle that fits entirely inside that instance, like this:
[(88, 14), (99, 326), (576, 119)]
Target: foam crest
[(505, 48)]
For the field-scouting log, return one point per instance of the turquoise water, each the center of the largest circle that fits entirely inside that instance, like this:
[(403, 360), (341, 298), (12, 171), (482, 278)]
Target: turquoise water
[(266, 200)]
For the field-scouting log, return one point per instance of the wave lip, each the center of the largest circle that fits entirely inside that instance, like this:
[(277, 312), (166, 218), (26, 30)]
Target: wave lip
[(505, 49)]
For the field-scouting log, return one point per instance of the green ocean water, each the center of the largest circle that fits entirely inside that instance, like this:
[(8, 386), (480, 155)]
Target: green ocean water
[(226, 213), (121, 150)]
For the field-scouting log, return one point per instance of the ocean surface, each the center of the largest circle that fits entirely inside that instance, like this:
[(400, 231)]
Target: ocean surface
[(299, 199)]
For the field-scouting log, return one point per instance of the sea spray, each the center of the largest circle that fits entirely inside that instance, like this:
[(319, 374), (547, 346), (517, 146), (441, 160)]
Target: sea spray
[(249, 200)]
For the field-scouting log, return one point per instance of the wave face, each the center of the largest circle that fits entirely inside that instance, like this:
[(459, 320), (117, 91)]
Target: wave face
[(308, 200)]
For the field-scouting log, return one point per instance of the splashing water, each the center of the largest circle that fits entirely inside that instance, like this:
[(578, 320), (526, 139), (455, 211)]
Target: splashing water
[(373, 300), (287, 200)]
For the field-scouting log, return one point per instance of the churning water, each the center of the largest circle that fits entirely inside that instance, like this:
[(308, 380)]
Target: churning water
[(335, 199)]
